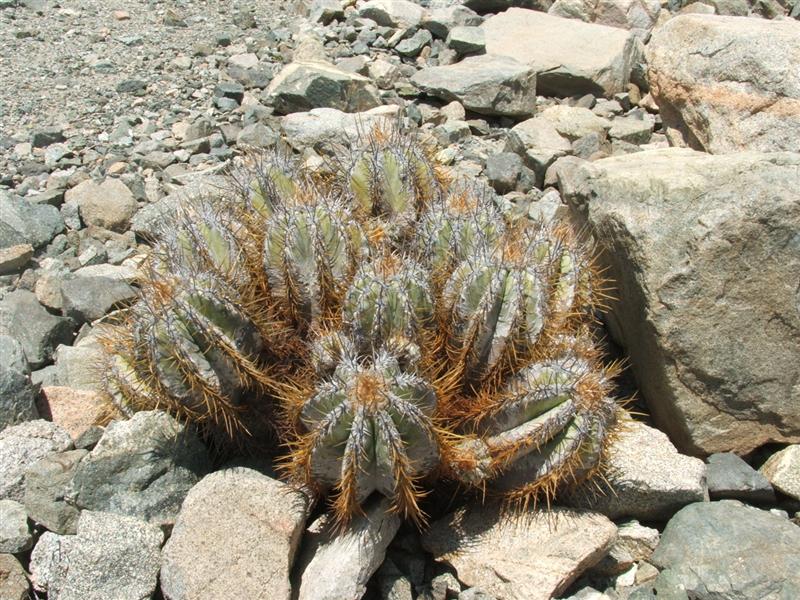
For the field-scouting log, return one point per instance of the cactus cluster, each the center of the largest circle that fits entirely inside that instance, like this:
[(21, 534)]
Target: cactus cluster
[(388, 325)]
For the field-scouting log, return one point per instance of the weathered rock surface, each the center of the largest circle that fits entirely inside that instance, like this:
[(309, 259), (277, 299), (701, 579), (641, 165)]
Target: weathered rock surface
[(728, 83), (77, 366), (15, 533), (86, 299), (75, 410), (301, 86), (112, 556), (23, 222), (48, 562), (732, 478), (646, 478), (27, 321), (703, 251), (236, 535), (21, 446), (335, 565), (329, 125), (783, 471), (13, 581), (634, 543), (142, 467), (495, 553), (728, 551), (46, 487), (393, 13), (569, 57), (109, 205), (17, 393), (575, 122), (637, 15), (487, 84)]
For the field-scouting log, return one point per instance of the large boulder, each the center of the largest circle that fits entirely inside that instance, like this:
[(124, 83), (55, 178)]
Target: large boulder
[(570, 57), (236, 536), (393, 13), (321, 126), (704, 258), (143, 467), (728, 84), (487, 84), (728, 551), (38, 331), (532, 554), (637, 15), (305, 85)]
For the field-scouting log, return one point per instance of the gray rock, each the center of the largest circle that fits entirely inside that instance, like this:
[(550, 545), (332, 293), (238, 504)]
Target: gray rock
[(490, 85), (328, 125), (78, 366), (338, 565), (575, 122), (230, 90), (730, 477), (37, 331), (496, 553), (143, 467), (48, 563), (13, 581), (20, 447), (257, 520), (728, 551), (256, 135), (42, 138), (637, 15), (383, 73), (635, 129), (86, 299), (727, 84), (14, 258), (503, 170), (439, 21), (392, 13), (15, 532), (109, 205), (703, 250), (17, 392), (325, 11), (783, 471), (645, 477), (570, 57), (412, 46), (23, 222), (634, 543), (301, 86), (46, 485), (112, 556), (467, 40), (539, 143)]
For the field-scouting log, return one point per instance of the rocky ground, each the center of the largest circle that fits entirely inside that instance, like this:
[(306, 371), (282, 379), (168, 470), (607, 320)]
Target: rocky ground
[(669, 130)]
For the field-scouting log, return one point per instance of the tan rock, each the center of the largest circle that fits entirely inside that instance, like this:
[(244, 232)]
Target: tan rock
[(75, 410), (13, 258), (13, 582), (783, 471), (529, 556), (109, 205)]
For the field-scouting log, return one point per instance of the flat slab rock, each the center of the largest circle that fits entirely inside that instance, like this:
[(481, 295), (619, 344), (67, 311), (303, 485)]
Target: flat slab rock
[(533, 555), (703, 253), (729, 551), (235, 537), (728, 84), (569, 56)]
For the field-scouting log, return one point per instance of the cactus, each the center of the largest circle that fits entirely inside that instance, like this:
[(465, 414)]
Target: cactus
[(395, 326)]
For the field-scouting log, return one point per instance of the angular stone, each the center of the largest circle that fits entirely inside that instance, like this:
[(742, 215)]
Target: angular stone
[(75, 410), (257, 520), (539, 144), (143, 467), (338, 565), (570, 57), (728, 550), (633, 129), (20, 447), (17, 392), (490, 85), (540, 552), (15, 532), (703, 251), (86, 299), (392, 13), (14, 258), (112, 556), (38, 332), (109, 205), (46, 485), (13, 581), (728, 84), (467, 40), (638, 15), (23, 222), (439, 21), (645, 477), (325, 11), (730, 477), (412, 46), (328, 125), (301, 86), (634, 543), (783, 471), (79, 366), (49, 135)]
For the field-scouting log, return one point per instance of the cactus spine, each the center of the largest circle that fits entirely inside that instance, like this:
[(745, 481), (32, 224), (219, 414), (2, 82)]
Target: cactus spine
[(399, 326)]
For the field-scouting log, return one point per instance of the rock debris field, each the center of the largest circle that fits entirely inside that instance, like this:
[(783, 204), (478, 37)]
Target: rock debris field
[(667, 131)]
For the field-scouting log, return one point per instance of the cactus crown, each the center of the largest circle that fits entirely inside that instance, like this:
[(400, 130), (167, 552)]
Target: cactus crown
[(390, 325)]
